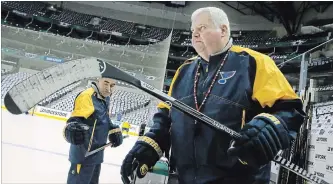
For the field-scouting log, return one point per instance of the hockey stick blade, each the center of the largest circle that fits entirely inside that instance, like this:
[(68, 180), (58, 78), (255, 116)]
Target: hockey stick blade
[(298, 170), (122, 76), (29, 92)]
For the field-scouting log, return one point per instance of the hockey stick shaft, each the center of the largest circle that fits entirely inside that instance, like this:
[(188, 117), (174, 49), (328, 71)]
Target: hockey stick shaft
[(97, 150), (117, 74), (88, 153)]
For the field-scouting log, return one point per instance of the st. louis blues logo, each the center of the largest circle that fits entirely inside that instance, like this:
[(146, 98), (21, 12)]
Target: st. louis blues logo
[(225, 76), (102, 66)]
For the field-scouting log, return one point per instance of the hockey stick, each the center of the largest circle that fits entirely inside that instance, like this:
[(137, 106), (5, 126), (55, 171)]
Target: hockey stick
[(88, 153), (122, 76), (29, 92)]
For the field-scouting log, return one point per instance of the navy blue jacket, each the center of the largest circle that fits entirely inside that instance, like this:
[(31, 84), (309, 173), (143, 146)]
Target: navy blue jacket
[(91, 109), (248, 84)]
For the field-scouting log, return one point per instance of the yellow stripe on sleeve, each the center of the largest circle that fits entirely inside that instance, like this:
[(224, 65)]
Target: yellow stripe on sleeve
[(270, 84), (83, 105)]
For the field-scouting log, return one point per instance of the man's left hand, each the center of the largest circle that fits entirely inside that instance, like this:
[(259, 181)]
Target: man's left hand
[(262, 138)]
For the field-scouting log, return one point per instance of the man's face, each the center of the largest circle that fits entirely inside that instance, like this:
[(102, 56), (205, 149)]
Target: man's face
[(106, 86), (206, 37)]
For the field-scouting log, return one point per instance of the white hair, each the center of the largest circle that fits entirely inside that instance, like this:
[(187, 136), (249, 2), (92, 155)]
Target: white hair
[(218, 16)]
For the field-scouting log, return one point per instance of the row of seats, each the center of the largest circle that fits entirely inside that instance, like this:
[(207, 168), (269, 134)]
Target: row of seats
[(28, 7), (156, 33), (57, 95), (125, 102), (67, 102), (324, 88), (72, 17), (11, 80), (140, 116), (119, 26), (320, 61), (279, 56), (243, 38)]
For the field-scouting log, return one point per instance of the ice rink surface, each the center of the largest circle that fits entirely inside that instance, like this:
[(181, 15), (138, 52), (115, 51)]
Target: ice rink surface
[(34, 151)]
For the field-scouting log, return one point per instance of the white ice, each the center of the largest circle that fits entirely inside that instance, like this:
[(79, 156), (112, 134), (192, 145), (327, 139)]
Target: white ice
[(34, 151)]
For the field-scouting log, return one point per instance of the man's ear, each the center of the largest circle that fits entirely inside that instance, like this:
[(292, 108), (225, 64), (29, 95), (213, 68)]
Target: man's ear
[(224, 30)]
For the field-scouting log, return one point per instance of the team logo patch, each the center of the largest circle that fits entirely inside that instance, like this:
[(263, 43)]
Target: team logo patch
[(225, 76), (143, 169), (102, 66)]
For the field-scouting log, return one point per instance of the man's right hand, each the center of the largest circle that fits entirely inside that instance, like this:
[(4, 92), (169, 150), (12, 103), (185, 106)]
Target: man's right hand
[(142, 157), (76, 133)]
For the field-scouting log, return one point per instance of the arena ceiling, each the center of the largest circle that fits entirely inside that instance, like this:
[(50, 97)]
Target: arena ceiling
[(289, 13)]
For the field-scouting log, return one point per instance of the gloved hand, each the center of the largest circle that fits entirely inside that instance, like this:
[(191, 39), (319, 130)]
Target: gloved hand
[(143, 156), (115, 136), (262, 138), (76, 133)]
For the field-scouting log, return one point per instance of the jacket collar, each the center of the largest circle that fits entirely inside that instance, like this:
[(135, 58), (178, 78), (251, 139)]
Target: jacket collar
[(229, 44), (215, 59), (98, 94)]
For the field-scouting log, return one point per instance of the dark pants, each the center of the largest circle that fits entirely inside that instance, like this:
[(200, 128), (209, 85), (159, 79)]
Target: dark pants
[(84, 174), (172, 163)]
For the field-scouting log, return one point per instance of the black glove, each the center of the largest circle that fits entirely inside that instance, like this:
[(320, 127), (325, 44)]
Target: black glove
[(143, 156), (262, 138), (115, 136), (76, 133)]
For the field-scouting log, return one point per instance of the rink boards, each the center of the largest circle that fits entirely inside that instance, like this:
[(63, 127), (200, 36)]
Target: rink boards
[(63, 116)]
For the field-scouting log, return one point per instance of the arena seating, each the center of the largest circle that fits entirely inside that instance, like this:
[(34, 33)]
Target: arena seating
[(57, 95), (66, 103), (284, 56), (124, 102), (246, 38), (324, 88), (119, 26), (156, 33), (72, 17), (28, 7), (10, 80), (140, 116), (175, 36), (252, 39)]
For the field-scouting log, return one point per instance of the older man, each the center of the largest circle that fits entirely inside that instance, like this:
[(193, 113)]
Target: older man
[(88, 128), (240, 88)]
